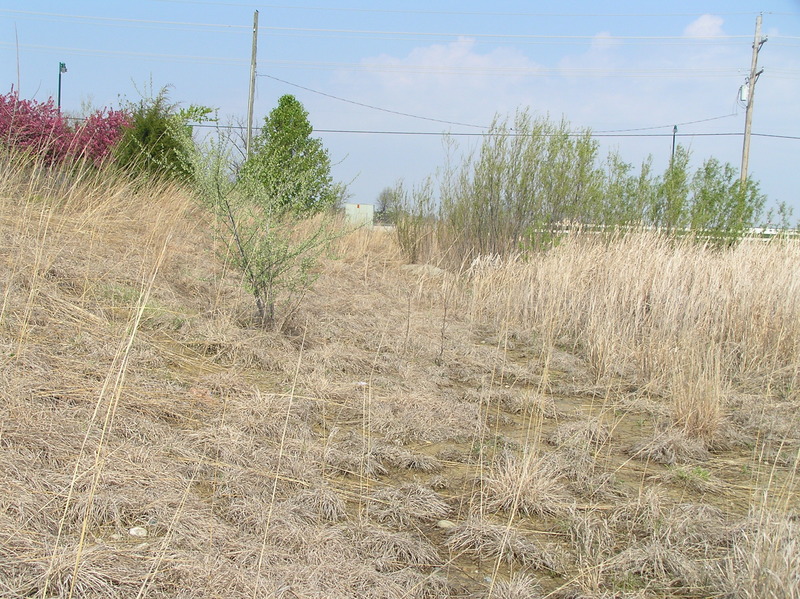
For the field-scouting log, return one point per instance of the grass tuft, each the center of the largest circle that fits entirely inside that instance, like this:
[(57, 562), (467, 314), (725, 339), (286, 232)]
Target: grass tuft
[(519, 586), (526, 484), (764, 560), (406, 505), (493, 542), (670, 447)]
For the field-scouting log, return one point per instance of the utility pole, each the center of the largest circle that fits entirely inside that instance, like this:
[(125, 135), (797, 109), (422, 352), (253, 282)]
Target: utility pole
[(252, 85), (758, 41)]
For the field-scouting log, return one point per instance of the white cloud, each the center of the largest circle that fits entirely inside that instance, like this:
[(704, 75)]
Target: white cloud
[(460, 81), (704, 26), (597, 61), (457, 63), (456, 81)]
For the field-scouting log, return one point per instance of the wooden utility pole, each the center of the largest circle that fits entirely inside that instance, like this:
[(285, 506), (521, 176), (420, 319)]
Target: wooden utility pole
[(251, 100), (758, 41)]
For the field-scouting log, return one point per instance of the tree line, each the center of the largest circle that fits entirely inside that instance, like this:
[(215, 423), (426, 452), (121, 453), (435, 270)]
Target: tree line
[(272, 208), (532, 176)]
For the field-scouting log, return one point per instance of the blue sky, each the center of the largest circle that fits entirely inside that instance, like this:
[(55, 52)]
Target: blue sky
[(632, 69)]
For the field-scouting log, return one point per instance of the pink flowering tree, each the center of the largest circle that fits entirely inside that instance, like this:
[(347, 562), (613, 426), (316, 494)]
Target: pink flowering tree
[(95, 137), (36, 127), (40, 129)]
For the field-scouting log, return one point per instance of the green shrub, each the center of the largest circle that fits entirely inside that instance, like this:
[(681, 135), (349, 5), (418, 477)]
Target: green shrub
[(532, 181), (155, 140), (275, 248)]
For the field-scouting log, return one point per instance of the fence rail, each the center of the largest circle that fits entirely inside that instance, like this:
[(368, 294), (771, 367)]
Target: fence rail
[(765, 233)]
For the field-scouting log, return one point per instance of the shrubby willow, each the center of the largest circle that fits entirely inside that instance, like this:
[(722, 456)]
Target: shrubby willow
[(532, 176), (265, 209)]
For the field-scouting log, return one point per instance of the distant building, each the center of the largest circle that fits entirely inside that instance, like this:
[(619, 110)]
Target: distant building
[(360, 214)]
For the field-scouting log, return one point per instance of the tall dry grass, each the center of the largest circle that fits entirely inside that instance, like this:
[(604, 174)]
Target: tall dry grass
[(62, 232), (154, 443), (764, 560), (710, 334), (675, 317), (407, 434)]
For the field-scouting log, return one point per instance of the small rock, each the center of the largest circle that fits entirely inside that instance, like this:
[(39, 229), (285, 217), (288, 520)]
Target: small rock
[(138, 531), (445, 524)]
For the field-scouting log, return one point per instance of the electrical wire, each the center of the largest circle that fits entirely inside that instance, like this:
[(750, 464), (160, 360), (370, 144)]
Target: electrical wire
[(713, 118), (123, 20), (413, 116), (462, 13), (444, 38), (422, 69), (245, 28), (533, 71), (678, 42), (509, 134), (505, 35), (138, 55), (572, 134), (425, 118)]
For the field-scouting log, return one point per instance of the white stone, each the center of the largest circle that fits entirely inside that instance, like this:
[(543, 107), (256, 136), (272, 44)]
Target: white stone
[(138, 531)]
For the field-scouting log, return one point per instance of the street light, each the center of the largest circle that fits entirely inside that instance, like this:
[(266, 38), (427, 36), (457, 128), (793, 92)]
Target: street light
[(674, 132), (62, 68)]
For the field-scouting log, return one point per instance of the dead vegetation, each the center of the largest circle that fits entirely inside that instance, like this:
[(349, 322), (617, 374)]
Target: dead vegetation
[(607, 419)]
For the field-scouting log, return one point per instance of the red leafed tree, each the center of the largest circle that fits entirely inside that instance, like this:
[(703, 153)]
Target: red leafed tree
[(40, 128)]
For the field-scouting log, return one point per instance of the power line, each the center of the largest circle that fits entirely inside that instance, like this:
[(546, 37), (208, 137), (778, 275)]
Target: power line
[(509, 134), (532, 71), (106, 20), (138, 55), (453, 13), (775, 135), (713, 118), (413, 116), (425, 118), (505, 35), (423, 69), (381, 35), (677, 42), (420, 69), (571, 134), (205, 26)]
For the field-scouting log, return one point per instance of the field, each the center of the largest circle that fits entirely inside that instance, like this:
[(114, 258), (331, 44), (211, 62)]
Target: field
[(611, 418)]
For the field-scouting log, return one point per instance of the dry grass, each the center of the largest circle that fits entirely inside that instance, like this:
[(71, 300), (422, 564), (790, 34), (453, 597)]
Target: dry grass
[(671, 446), (669, 315), (497, 542), (764, 560), (407, 505), (526, 484), (394, 551), (591, 434), (519, 586), (136, 395)]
